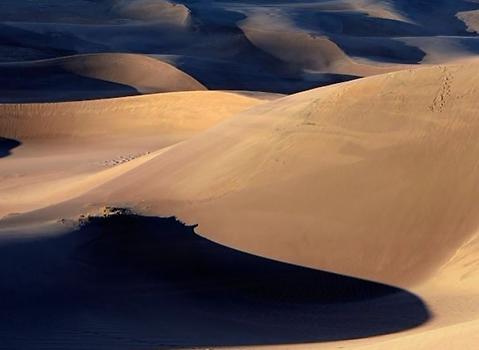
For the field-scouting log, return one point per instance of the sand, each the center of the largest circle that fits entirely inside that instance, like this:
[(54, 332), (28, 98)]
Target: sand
[(67, 147), (159, 11), (90, 76), (337, 216), (321, 179), (220, 45)]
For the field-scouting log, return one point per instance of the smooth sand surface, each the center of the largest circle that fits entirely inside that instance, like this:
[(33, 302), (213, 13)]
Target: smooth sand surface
[(307, 161), (373, 178), (63, 148), (368, 186)]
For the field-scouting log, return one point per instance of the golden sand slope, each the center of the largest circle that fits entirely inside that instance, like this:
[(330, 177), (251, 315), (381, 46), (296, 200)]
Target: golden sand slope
[(68, 148), (145, 74), (183, 112), (374, 178)]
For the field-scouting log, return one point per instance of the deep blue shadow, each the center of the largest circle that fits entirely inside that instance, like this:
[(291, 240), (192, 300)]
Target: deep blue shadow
[(6, 145), (134, 282)]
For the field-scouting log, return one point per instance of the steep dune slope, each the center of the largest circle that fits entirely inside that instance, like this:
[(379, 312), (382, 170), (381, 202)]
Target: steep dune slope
[(374, 178), (90, 76)]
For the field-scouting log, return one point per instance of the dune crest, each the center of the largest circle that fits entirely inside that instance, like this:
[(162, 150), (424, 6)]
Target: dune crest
[(309, 51), (91, 76), (373, 8), (147, 75), (471, 19), (127, 116), (161, 11)]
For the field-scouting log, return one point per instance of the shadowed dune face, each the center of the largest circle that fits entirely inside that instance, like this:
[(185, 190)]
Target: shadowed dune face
[(91, 76), (127, 281), (218, 42), (6, 145)]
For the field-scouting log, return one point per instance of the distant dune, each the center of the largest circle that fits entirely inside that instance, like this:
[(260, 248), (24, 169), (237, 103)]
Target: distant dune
[(263, 45), (96, 12), (308, 51), (161, 11), (90, 76), (471, 19)]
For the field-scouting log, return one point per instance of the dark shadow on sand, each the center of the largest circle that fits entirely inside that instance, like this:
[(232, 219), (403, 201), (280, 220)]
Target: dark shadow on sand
[(6, 145), (134, 282)]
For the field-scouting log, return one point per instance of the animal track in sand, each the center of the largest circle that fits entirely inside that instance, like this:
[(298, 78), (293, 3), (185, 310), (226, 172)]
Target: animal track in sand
[(123, 159), (442, 97)]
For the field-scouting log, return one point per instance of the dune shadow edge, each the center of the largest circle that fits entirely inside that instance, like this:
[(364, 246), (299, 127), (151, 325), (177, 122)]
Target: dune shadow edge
[(161, 285)]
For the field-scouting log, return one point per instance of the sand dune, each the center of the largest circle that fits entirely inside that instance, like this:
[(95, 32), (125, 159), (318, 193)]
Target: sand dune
[(127, 116), (358, 200), (225, 47), (96, 12), (307, 50), (323, 155), (327, 154), (162, 11), (90, 76), (208, 295), (69, 147), (471, 19), (324, 180), (374, 178)]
